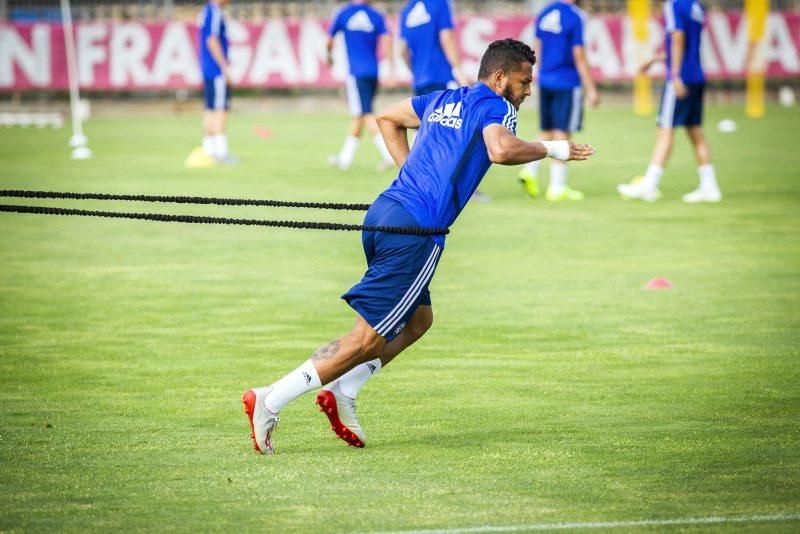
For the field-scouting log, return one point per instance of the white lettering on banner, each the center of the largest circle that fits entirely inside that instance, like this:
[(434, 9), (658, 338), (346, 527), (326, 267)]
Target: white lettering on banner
[(527, 33), (130, 45), (313, 39), (634, 53), (476, 35), (600, 50), (240, 53), (33, 61), (274, 54), (285, 52), (708, 58), (90, 52), (731, 44), (176, 56), (778, 44)]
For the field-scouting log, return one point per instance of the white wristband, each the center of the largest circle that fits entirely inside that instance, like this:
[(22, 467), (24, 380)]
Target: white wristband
[(557, 149)]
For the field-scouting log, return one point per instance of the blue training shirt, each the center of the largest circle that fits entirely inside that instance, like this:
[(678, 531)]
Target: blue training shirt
[(211, 22), (420, 23), (449, 157), (362, 25), (687, 16), (559, 27)]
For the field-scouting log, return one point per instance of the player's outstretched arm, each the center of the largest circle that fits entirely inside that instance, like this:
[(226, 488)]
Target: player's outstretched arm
[(505, 148), (394, 123)]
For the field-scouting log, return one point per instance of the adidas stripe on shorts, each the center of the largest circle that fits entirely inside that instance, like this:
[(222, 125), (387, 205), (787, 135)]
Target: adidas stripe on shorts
[(561, 109), (399, 269), (684, 112)]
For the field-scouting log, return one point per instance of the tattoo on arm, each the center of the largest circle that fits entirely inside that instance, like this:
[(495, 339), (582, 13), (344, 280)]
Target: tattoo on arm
[(326, 351)]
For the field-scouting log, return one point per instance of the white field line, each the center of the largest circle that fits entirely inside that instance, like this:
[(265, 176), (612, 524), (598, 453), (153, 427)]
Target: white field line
[(607, 524)]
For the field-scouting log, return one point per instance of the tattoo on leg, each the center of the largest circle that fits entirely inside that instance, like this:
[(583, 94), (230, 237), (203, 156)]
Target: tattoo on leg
[(326, 351)]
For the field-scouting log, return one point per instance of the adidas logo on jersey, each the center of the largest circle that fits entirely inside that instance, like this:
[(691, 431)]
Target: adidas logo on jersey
[(360, 22), (418, 15), (449, 115), (551, 22)]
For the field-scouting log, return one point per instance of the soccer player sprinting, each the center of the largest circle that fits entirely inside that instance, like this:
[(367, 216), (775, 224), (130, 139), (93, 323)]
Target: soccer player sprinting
[(428, 46), (681, 105), (363, 27), (461, 133), (563, 76), (213, 44)]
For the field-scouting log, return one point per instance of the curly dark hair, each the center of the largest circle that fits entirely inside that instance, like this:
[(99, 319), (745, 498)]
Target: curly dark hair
[(506, 55)]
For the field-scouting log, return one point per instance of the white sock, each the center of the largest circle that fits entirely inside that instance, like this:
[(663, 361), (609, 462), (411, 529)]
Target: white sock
[(348, 151), (378, 140), (301, 380), (533, 166), (652, 177), (220, 145), (356, 377), (558, 176), (708, 178), (208, 144)]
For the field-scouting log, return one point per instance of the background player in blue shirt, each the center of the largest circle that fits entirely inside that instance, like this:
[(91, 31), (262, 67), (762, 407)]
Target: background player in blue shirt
[(563, 76), (363, 27), (681, 105), (212, 39), (428, 45), (461, 133)]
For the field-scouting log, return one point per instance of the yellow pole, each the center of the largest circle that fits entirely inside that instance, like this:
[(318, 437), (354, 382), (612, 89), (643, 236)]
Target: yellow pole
[(639, 16), (756, 12)]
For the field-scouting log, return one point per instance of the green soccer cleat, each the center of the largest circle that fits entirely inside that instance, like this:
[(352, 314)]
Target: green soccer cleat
[(529, 182), (565, 194)]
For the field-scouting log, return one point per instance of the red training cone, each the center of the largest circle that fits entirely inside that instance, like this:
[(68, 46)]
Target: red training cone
[(262, 132), (658, 283)]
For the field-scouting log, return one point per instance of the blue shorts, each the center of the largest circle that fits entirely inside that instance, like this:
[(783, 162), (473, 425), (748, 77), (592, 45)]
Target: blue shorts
[(360, 94), (423, 90), (684, 112), (561, 109), (399, 269), (217, 93)]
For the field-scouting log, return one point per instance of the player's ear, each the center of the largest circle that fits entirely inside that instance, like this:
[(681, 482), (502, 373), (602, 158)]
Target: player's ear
[(500, 79)]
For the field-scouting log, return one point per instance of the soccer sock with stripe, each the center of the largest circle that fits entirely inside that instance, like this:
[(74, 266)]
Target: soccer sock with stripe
[(355, 378), (708, 177), (652, 177), (381, 145), (348, 151), (558, 177), (220, 146), (301, 380), (208, 144), (533, 167)]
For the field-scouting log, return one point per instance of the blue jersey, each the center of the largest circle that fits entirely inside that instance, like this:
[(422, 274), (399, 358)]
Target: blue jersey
[(362, 25), (687, 16), (211, 22), (420, 23), (449, 157), (559, 27)]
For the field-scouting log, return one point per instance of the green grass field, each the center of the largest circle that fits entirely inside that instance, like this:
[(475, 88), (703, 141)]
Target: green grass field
[(551, 389)]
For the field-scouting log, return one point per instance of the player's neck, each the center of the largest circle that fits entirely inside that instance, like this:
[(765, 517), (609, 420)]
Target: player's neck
[(490, 85)]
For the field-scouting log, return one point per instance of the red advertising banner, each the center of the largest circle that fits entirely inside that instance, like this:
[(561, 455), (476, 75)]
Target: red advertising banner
[(291, 52)]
